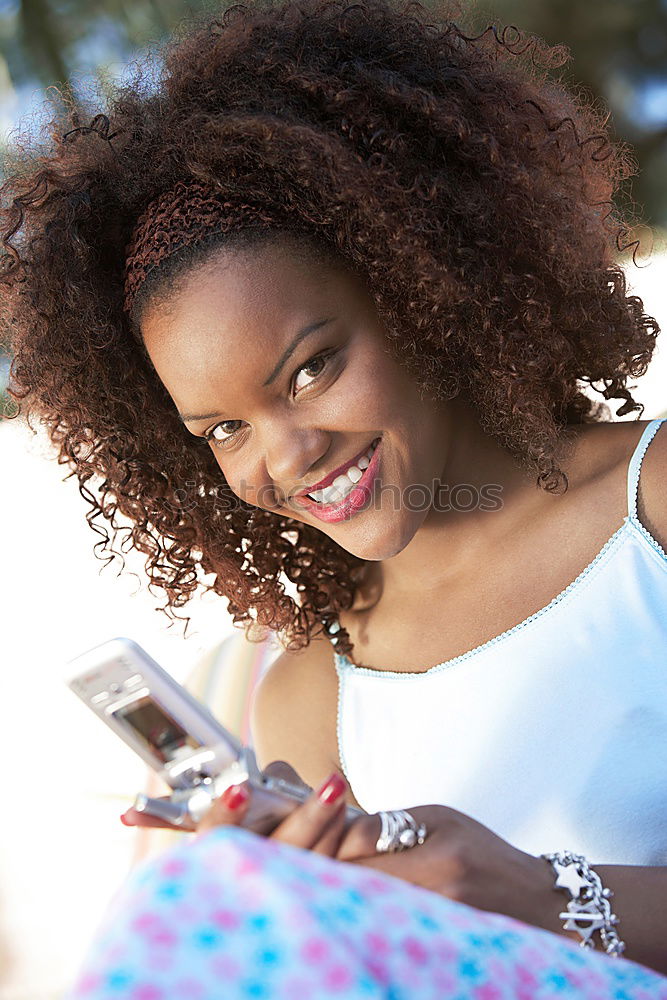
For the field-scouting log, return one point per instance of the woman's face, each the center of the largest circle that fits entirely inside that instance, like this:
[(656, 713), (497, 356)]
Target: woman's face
[(281, 364)]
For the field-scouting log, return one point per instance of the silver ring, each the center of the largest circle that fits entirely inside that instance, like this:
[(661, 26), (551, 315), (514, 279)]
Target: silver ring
[(399, 832)]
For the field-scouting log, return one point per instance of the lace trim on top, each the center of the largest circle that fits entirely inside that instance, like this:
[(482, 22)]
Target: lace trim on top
[(631, 522), (344, 662)]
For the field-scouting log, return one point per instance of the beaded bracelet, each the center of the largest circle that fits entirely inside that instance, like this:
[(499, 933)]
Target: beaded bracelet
[(589, 909)]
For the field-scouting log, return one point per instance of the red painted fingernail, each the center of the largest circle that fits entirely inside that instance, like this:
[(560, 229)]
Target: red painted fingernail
[(332, 789), (234, 797)]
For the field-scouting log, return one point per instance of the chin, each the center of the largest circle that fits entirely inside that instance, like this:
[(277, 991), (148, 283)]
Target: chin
[(383, 539)]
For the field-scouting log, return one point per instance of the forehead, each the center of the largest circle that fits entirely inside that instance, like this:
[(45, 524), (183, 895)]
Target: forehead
[(230, 289), (231, 317)]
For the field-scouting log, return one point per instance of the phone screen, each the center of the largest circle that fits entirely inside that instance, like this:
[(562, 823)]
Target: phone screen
[(162, 734)]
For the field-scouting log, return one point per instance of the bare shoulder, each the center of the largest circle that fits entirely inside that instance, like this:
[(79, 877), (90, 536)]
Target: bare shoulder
[(294, 713), (606, 449), (652, 493)]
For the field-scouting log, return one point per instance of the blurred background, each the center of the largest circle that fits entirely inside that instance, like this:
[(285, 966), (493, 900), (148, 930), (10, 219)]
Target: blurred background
[(63, 849)]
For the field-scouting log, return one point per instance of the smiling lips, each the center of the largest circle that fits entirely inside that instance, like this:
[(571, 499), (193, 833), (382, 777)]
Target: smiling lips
[(344, 494), (344, 481)]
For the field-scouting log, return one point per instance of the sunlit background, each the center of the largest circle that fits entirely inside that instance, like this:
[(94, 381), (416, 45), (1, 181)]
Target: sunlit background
[(65, 779)]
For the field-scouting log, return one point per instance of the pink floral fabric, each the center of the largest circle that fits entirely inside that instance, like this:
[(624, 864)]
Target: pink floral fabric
[(235, 916)]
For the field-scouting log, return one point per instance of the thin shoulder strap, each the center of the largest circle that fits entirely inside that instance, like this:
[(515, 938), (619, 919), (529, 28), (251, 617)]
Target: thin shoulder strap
[(636, 463)]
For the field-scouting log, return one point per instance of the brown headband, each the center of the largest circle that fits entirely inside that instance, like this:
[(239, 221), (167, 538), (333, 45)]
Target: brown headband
[(183, 216)]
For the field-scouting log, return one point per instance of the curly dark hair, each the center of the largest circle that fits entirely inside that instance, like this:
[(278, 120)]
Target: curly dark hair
[(456, 173)]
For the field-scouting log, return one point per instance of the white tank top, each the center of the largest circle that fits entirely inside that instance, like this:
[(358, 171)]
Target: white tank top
[(553, 734)]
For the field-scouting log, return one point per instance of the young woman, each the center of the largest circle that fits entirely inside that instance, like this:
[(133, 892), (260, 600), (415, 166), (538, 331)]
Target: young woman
[(314, 311)]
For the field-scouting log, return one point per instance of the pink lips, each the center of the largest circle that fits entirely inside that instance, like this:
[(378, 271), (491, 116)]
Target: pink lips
[(357, 498), (329, 478)]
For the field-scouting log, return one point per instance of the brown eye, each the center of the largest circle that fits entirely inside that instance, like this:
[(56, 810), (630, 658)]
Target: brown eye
[(312, 369), (224, 431)]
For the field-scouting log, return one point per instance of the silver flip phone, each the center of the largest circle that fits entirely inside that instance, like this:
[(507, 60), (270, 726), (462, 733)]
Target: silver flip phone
[(177, 736)]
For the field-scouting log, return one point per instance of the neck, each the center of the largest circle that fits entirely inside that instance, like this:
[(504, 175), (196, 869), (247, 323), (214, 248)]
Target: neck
[(486, 495)]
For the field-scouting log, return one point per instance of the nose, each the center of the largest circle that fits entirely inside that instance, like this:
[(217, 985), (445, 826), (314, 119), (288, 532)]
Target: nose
[(289, 453)]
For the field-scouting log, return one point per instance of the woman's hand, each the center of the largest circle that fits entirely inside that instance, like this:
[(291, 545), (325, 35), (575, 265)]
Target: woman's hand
[(318, 824), (460, 859), (465, 861)]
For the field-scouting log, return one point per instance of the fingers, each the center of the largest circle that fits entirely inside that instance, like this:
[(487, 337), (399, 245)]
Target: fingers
[(320, 822), (135, 817), (360, 839), (330, 841), (228, 809), (283, 772)]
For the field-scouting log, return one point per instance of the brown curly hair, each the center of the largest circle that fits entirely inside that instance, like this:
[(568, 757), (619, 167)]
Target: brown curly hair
[(456, 173)]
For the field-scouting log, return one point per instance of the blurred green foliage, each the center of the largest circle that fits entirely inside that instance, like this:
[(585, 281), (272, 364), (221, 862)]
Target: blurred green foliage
[(619, 50), (45, 44), (619, 57), (7, 404)]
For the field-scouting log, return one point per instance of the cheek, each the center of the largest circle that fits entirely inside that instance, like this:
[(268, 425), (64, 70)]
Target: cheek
[(388, 384), (245, 481), (368, 393), (233, 474)]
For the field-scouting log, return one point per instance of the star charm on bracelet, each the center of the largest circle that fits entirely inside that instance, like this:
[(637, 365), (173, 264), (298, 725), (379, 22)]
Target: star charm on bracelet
[(570, 879), (589, 909), (589, 916)]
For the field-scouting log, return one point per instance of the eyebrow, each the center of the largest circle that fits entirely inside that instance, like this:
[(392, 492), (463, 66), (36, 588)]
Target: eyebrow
[(284, 357)]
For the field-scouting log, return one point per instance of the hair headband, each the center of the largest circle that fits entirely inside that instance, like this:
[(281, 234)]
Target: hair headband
[(183, 216)]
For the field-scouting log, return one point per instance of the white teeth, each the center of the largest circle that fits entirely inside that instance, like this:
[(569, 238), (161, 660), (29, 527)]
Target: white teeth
[(333, 492), (342, 485)]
